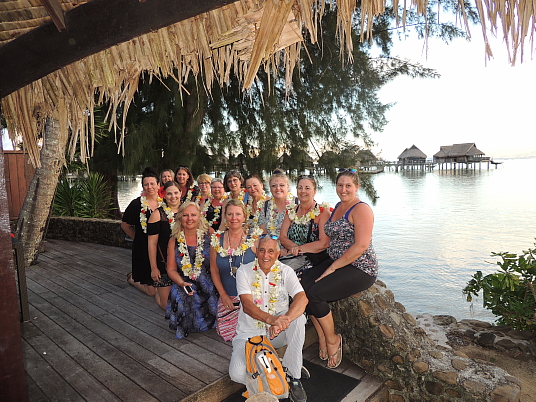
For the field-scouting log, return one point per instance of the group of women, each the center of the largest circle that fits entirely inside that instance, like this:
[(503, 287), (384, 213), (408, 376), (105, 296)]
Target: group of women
[(189, 240)]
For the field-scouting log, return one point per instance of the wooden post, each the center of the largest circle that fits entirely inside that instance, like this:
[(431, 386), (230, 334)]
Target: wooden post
[(12, 380)]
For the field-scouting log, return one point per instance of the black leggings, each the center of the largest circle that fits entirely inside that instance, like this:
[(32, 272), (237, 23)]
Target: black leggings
[(344, 282)]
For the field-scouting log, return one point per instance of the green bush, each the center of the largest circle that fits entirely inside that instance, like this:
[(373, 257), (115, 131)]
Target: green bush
[(85, 198), (509, 293)]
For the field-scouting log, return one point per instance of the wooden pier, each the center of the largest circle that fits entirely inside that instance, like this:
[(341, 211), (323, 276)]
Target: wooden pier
[(92, 337)]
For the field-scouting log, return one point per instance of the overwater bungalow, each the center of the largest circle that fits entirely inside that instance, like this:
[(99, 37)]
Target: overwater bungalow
[(412, 155), (466, 153)]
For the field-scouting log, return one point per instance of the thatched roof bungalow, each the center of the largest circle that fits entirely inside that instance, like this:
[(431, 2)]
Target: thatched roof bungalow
[(459, 153), (412, 155)]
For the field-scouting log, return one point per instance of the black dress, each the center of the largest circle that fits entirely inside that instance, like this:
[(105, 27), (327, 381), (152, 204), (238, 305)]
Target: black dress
[(141, 267), (163, 230)]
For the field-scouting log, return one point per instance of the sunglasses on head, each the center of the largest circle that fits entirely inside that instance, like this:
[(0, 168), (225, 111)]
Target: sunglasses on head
[(271, 236), (351, 170), (306, 176)]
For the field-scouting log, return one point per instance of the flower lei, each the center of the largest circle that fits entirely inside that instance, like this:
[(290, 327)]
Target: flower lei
[(217, 210), (241, 195), (189, 270), (272, 216), (144, 208), (254, 222), (273, 293), (302, 220), (170, 216), (215, 242), (189, 193)]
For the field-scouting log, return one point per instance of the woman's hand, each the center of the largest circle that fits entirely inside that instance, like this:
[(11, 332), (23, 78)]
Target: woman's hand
[(296, 250), (227, 302), (155, 274), (329, 270)]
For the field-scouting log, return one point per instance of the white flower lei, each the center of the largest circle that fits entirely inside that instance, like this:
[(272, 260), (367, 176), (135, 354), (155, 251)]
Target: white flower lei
[(144, 208), (254, 222), (241, 195), (215, 242), (217, 210), (302, 220), (273, 292), (189, 193), (188, 270), (170, 217), (271, 215)]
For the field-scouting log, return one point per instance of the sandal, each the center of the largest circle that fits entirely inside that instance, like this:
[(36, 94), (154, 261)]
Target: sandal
[(337, 354), (129, 276), (323, 354)]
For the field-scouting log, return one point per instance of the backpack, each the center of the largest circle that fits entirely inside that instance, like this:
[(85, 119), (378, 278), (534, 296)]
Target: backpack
[(264, 371)]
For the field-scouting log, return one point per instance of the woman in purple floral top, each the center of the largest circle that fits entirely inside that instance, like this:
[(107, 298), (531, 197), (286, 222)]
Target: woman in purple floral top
[(351, 268)]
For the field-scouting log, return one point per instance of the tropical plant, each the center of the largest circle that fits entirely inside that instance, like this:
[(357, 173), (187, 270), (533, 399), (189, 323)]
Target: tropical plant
[(86, 198), (509, 293), (67, 199)]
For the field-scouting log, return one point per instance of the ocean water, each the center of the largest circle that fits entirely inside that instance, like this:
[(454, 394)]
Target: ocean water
[(433, 230)]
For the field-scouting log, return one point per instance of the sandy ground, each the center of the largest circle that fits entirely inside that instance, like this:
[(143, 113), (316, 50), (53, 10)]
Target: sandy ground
[(523, 368)]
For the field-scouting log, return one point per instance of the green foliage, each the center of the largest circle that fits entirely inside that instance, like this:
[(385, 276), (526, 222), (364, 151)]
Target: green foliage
[(509, 293), (85, 198), (67, 199)]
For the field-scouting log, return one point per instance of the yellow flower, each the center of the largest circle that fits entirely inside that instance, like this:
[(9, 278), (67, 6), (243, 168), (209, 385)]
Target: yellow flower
[(244, 246), (257, 284)]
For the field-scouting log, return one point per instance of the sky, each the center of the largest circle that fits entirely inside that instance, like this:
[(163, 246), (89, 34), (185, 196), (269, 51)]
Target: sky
[(491, 105)]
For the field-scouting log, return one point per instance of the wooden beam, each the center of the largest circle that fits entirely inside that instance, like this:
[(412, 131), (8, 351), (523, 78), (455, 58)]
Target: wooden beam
[(55, 11), (91, 28)]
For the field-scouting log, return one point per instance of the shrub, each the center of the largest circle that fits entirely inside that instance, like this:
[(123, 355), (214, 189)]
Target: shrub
[(509, 293)]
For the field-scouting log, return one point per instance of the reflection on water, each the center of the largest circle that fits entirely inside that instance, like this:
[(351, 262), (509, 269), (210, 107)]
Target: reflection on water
[(434, 230)]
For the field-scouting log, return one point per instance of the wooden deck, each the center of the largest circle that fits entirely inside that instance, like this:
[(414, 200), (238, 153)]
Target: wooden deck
[(92, 337)]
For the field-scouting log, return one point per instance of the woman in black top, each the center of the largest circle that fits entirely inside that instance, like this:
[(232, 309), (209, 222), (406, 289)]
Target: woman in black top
[(159, 231)]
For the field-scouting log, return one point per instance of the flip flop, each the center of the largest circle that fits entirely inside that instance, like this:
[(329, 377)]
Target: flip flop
[(322, 353), (337, 354), (129, 275)]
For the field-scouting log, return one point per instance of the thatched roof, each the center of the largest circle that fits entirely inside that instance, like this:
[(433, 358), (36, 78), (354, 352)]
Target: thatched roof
[(466, 149), (236, 38), (412, 152)]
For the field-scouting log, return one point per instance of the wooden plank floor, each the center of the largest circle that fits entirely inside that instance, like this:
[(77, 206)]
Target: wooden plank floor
[(92, 337)]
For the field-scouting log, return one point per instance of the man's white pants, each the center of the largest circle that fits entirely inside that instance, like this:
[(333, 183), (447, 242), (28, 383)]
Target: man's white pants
[(293, 337)]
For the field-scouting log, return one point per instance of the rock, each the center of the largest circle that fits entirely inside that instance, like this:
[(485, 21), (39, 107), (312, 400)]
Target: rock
[(474, 386), (522, 335), (486, 339), (420, 367), (444, 320), (506, 393), (506, 344), (433, 387), (477, 323), (458, 364), (449, 377), (435, 354)]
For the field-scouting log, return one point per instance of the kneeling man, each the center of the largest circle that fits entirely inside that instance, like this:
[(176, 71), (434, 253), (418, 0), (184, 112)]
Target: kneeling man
[(264, 286)]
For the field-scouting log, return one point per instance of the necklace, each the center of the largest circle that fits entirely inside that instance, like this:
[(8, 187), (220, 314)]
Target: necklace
[(273, 292), (241, 195), (189, 270), (170, 216), (309, 215), (255, 211), (144, 208), (272, 215), (217, 210), (234, 252), (189, 193)]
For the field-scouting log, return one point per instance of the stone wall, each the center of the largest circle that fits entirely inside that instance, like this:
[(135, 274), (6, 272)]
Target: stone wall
[(102, 231), (382, 338)]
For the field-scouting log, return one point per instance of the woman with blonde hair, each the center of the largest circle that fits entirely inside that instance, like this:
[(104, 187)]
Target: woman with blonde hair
[(275, 208), (203, 182), (212, 208), (192, 305)]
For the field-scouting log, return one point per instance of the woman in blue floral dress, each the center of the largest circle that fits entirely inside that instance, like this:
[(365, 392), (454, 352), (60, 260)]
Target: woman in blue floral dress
[(190, 309)]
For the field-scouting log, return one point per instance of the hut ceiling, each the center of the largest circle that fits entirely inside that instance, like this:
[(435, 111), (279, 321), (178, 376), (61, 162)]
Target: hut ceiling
[(209, 39)]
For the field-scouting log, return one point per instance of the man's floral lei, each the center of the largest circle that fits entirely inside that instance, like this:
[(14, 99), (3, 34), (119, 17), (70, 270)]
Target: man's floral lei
[(255, 211), (189, 270), (144, 208), (273, 291), (215, 243), (217, 209), (289, 206), (302, 220)]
